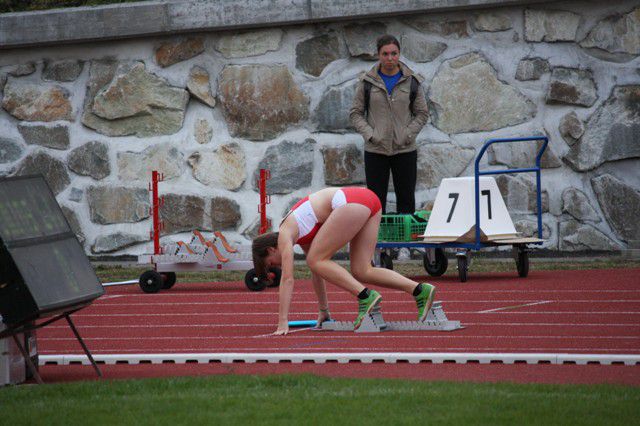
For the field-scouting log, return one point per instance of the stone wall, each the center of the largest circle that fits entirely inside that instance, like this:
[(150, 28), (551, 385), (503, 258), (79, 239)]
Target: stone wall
[(209, 109)]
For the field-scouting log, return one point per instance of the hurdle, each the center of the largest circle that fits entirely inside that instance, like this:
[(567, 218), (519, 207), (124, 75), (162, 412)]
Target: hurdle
[(200, 254)]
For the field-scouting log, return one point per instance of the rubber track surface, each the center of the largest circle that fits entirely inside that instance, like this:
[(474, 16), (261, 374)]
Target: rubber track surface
[(581, 312)]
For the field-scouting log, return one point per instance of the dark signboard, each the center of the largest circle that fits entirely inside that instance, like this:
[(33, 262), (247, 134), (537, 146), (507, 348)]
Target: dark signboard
[(43, 268)]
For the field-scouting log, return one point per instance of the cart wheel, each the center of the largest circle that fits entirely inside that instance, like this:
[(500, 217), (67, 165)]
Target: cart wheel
[(463, 266), (386, 261), (274, 277), (150, 281), (522, 262), (252, 281), (439, 267), (168, 280)]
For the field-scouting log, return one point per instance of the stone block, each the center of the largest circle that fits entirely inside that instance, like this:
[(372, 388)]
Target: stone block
[(314, 54), (33, 102), (249, 43), (620, 204), (611, 132), (53, 170), (137, 166), (224, 167), (56, 137), (294, 165), (173, 52), (260, 101), (467, 96), (343, 165), (67, 70), (90, 159), (550, 25), (109, 205), (572, 86)]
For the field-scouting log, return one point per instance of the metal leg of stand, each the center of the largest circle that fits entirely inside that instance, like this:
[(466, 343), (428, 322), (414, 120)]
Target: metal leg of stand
[(86, 350), (27, 359)]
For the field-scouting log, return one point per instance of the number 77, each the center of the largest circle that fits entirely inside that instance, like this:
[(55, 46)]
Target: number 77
[(455, 196)]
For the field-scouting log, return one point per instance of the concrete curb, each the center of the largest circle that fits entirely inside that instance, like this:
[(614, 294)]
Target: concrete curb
[(85, 24)]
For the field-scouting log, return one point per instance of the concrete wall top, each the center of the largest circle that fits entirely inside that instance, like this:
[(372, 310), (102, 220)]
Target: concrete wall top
[(83, 24)]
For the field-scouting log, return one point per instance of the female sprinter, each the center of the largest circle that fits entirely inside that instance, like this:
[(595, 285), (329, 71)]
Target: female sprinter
[(321, 224)]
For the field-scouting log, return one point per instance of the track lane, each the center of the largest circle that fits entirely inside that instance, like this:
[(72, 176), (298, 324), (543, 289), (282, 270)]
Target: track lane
[(584, 312)]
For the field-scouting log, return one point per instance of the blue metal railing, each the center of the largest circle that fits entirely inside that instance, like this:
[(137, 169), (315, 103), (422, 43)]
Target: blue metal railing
[(535, 169)]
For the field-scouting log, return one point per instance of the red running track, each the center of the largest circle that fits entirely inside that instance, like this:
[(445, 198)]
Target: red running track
[(569, 312)]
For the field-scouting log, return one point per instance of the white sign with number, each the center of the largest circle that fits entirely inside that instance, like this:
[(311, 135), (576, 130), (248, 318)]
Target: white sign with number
[(453, 215)]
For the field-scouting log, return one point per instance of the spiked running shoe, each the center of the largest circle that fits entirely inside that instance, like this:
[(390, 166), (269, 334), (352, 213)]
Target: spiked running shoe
[(365, 306), (424, 300)]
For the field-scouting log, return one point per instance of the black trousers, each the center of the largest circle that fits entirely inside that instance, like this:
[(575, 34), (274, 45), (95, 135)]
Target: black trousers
[(403, 167)]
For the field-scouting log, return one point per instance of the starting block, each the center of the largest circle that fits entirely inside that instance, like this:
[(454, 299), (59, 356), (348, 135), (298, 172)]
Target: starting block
[(373, 322)]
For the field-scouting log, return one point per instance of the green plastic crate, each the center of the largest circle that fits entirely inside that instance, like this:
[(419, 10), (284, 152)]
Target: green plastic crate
[(403, 227)]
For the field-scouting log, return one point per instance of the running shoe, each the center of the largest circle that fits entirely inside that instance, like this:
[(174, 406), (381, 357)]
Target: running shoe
[(424, 300), (365, 306)]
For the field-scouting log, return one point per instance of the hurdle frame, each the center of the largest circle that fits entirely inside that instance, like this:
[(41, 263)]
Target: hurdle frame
[(165, 261)]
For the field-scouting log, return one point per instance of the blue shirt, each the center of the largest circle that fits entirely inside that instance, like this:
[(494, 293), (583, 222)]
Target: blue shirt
[(390, 80)]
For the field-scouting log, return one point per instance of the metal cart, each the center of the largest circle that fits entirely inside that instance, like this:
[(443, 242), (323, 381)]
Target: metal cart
[(200, 254), (434, 259)]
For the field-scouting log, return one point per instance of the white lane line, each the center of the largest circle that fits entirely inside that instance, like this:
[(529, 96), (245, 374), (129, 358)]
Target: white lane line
[(152, 326), (112, 296), (317, 335), (187, 314), (172, 293), (505, 308), (554, 312), (291, 331), (120, 283), (199, 349), (540, 324), (269, 324), (346, 302)]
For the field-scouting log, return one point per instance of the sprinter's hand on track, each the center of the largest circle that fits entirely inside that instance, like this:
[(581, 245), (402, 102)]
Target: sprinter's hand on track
[(322, 317), (282, 329)]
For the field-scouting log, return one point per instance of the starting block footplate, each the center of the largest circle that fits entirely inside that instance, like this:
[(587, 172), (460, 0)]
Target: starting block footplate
[(373, 322)]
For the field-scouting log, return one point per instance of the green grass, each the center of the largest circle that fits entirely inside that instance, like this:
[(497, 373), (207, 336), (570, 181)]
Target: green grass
[(307, 399), (108, 273)]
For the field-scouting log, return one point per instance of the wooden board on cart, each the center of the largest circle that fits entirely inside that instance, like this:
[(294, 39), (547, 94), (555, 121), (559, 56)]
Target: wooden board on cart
[(510, 240), (521, 240)]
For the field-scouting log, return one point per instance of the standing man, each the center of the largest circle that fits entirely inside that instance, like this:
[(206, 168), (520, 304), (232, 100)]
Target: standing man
[(389, 110)]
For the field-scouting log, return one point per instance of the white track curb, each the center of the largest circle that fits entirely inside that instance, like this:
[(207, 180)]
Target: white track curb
[(344, 358)]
